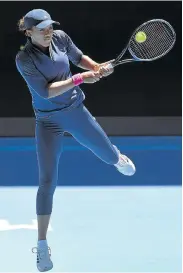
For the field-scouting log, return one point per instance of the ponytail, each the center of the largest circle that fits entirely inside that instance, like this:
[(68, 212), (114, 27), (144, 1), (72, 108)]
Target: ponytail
[(21, 26)]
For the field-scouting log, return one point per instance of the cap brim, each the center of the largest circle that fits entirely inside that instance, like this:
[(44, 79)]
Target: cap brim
[(46, 23)]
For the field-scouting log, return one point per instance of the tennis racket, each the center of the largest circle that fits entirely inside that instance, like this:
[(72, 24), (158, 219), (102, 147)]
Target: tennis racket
[(150, 41)]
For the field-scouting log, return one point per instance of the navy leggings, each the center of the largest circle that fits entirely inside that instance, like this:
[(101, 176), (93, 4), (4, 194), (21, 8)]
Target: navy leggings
[(49, 140)]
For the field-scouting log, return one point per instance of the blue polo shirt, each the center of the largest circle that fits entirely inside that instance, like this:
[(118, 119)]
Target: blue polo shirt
[(38, 69)]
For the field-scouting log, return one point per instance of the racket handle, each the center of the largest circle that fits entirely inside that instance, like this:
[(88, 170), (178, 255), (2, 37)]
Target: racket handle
[(110, 66)]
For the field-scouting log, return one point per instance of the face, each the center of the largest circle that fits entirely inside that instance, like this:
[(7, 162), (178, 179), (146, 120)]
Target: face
[(41, 37)]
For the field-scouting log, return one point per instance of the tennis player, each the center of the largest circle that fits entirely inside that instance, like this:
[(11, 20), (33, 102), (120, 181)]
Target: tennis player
[(58, 105)]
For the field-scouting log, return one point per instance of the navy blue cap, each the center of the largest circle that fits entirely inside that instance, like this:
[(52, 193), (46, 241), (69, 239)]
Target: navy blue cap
[(38, 18)]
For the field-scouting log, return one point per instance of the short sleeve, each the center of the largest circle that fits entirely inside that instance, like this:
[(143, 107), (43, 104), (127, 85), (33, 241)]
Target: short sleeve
[(33, 77), (73, 52)]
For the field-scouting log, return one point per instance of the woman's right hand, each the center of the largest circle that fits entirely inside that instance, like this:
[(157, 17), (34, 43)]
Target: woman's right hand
[(90, 77)]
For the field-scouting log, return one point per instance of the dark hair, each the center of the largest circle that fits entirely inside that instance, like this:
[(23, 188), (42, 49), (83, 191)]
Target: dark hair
[(21, 25)]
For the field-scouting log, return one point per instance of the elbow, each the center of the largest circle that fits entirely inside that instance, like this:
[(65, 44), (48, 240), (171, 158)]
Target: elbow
[(79, 61), (50, 93)]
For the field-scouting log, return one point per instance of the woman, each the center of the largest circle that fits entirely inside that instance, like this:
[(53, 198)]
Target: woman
[(58, 105)]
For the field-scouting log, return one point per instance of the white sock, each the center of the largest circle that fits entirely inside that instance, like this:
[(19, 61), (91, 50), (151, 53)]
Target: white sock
[(42, 244)]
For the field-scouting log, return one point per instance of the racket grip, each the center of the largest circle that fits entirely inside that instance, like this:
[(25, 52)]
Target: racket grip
[(110, 66)]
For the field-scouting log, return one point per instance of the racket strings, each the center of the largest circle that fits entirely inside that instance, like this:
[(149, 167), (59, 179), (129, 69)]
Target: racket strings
[(157, 42), (151, 49), (160, 38)]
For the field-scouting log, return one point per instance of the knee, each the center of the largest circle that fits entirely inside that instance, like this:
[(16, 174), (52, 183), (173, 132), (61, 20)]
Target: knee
[(47, 185)]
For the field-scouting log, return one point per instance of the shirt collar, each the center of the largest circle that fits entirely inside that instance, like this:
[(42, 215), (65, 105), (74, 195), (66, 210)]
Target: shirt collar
[(33, 46)]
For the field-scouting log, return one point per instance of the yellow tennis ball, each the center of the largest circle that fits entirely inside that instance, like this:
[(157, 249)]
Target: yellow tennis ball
[(22, 47), (140, 37)]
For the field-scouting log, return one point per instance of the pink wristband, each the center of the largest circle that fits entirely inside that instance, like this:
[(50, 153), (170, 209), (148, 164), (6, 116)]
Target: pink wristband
[(77, 79)]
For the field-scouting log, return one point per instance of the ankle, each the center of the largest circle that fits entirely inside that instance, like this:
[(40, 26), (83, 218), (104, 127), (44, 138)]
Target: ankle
[(42, 243), (118, 163), (42, 238)]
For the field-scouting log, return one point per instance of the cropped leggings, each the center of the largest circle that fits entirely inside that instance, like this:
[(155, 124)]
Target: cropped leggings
[(49, 140)]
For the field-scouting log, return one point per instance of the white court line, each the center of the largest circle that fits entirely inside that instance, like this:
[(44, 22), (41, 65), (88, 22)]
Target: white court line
[(6, 226)]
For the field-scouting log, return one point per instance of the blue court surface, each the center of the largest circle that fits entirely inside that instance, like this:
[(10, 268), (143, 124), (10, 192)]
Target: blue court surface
[(102, 221)]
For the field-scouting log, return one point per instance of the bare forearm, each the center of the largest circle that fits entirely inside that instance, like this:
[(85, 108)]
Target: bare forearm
[(60, 87), (87, 63)]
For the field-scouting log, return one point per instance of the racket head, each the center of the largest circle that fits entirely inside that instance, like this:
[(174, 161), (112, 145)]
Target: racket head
[(159, 38)]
